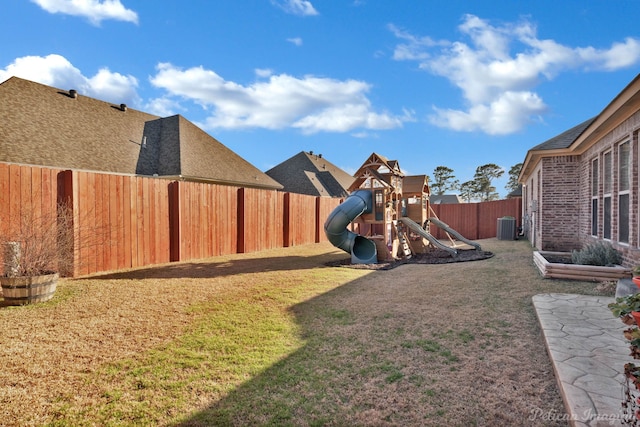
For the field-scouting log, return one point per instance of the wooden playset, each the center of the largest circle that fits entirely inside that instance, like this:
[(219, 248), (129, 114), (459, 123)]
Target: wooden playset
[(391, 210)]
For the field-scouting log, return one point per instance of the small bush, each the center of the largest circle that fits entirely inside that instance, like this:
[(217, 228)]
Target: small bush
[(38, 243), (598, 253)]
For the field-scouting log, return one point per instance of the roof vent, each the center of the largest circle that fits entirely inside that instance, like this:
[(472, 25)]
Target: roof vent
[(73, 93), (123, 107)]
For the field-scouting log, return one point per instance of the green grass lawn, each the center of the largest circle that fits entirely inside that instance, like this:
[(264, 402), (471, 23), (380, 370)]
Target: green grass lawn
[(277, 338)]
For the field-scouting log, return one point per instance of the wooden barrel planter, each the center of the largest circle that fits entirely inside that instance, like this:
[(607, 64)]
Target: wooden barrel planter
[(23, 290)]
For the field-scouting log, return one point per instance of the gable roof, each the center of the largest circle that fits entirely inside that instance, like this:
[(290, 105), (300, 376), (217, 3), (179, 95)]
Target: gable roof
[(578, 139), (308, 173), (415, 184), (46, 126), (377, 162), (378, 167)]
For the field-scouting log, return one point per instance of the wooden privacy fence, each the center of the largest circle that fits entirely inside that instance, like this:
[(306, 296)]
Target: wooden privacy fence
[(123, 221), (476, 220)]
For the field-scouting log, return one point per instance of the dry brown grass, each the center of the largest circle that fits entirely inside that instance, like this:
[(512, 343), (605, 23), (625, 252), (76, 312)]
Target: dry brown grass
[(451, 344)]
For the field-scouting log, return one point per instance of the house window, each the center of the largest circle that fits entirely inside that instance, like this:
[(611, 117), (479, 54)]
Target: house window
[(594, 197), (606, 200), (624, 158)]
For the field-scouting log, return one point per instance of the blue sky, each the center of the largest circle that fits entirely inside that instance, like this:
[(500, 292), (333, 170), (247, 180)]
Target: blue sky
[(427, 83)]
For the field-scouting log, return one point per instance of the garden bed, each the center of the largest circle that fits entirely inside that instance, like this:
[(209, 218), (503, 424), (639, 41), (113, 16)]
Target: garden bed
[(558, 265)]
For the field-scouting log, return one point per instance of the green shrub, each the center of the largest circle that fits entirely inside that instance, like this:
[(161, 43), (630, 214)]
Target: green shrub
[(597, 253)]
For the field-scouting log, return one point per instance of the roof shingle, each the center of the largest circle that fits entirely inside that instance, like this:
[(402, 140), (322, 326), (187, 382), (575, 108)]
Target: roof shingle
[(566, 138), (46, 126), (308, 173)]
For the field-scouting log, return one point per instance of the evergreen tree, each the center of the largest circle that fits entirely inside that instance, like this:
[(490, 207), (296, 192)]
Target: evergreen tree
[(514, 172), (443, 181), (483, 179), (468, 191)]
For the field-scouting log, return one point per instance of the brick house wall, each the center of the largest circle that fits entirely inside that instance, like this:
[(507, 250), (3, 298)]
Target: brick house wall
[(626, 131), (557, 196), (551, 204), (560, 205)]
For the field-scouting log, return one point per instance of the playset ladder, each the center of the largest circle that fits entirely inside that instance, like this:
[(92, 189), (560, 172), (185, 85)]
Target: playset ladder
[(402, 238)]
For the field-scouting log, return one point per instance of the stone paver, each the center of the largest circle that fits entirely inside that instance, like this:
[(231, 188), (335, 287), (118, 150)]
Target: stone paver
[(588, 352)]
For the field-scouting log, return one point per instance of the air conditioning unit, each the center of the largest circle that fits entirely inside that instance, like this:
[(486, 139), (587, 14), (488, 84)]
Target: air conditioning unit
[(506, 228)]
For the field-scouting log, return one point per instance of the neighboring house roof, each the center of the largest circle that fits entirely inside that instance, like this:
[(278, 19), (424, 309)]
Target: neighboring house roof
[(308, 173), (515, 193), (445, 199), (578, 139), (45, 126)]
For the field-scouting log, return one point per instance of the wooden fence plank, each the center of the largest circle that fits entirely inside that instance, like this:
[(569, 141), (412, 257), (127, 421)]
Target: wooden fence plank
[(116, 222), (100, 224), (153, 221), (37, 213), (25, 191), (5, 199), (113, 198), (326, 205)]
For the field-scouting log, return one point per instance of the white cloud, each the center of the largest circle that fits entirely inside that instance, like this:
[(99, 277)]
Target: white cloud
[(507, 114), (364, 134), (95, 11), (55, 70), (498, 68), (263, 72), (310, 104), (296, 7), (343, 118), (163, 107), (620, 55), (116, 87), (295, 40), (413, 49)]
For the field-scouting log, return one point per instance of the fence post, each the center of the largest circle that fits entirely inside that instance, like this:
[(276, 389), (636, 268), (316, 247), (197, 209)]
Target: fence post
[(286, 221), (318, 224), (175, 221), (67, 205), (477, 227), (241, 221)]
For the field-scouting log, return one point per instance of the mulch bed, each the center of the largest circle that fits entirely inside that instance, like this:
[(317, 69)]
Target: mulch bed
[(558, 259), (434, 256)]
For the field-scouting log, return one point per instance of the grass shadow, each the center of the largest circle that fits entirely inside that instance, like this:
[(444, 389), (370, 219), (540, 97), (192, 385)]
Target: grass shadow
[(407, 347), (207, 269)]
